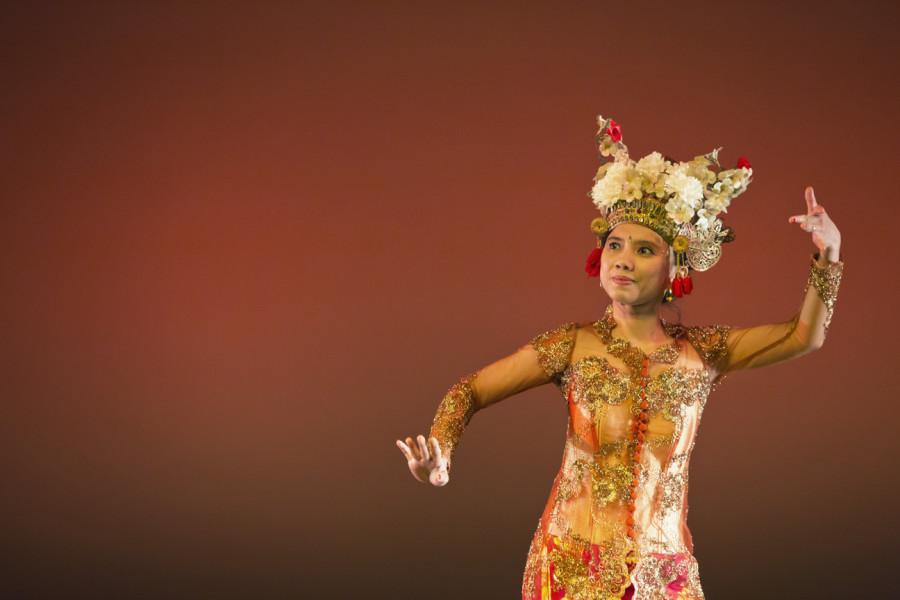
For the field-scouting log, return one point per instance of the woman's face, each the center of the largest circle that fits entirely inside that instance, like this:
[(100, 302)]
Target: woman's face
[(642, 259)]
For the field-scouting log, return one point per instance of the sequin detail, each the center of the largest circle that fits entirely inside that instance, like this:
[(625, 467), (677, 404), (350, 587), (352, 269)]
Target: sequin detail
[(711, 342), (554, 349), (668, 576), (453, 414), (608, 482), (673, 483), (622, 348), (826, 279), (577, 569)]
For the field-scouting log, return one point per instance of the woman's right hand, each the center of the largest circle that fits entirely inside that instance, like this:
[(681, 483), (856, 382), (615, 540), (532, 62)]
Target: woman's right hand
[(426, 461)]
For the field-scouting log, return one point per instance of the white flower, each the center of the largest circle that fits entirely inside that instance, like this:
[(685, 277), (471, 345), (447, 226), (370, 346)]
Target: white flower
[(674, 168), (716, 202), (679, 211), (607, 146), (609, 189), (725, 187), (651, 166), (699, 168), (603, 193), (741, 177), (686, 188), (703, 218), (632, 189), (659, 188)]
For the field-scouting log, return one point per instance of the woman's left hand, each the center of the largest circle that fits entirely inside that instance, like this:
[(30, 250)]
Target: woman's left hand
[(825, 234)]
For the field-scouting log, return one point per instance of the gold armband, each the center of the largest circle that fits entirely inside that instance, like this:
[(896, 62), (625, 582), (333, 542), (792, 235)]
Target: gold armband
[(826, 279), (453, 414)]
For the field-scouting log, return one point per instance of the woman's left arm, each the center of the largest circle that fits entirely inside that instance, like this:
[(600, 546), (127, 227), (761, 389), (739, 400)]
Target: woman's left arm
[(753, 347)]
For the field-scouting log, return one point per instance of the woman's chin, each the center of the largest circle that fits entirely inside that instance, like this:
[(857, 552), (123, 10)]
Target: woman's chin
[(621, 293), (624, 297)]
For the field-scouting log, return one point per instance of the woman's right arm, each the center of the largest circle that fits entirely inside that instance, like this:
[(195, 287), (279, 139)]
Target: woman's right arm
[(540, 361)]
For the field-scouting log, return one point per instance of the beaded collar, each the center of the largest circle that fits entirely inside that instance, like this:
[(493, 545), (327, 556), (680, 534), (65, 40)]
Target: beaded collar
[(631, 355)]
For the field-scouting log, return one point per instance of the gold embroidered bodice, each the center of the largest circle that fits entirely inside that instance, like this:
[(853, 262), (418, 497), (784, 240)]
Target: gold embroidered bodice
[(592, 503)]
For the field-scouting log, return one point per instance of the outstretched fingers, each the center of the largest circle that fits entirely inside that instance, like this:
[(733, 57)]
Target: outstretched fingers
[(423, 448), (413, 448), (805, 221), (814, 211), (407, 452)]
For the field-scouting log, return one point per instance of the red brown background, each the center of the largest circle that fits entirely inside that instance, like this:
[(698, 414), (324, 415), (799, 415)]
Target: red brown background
[(246, 246)]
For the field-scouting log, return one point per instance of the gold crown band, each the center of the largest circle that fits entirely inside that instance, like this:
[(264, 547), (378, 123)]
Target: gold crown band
[(646, 211)]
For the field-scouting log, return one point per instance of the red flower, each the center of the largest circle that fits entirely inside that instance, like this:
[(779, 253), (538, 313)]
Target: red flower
[(614, 131), (743, 162), (592, 265)]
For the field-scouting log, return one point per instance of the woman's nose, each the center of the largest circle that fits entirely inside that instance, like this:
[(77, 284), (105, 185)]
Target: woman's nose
[(624, 264)]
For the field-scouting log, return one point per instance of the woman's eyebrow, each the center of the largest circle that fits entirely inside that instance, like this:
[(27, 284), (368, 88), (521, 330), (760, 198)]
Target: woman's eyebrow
[(615, 237)]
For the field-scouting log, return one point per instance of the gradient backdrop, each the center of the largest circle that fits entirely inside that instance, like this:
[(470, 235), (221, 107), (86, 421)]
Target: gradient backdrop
[(247, 246)]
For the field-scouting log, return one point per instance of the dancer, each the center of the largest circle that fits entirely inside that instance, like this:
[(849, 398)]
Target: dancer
[(635, 384)]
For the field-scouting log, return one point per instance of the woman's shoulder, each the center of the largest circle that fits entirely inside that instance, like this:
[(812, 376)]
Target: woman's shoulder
[(555, 345), (556, 333), (710, 341)]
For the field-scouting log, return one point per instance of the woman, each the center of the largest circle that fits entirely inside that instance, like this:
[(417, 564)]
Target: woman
[(635, 384)]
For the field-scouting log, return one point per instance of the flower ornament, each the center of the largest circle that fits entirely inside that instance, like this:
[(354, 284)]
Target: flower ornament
[(614, 131), (691, 191), (592, 265)]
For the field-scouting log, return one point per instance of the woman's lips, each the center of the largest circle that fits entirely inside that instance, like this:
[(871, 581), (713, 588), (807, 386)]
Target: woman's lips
[(621, 280)]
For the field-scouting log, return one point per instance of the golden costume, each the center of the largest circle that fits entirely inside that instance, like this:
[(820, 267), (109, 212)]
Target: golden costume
[(580, 549)]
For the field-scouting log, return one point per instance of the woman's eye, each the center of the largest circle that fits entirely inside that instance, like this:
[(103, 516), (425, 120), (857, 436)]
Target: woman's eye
[(614, 245)]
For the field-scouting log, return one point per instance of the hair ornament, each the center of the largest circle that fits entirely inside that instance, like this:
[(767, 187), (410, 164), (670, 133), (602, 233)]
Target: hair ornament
[(681, 201)]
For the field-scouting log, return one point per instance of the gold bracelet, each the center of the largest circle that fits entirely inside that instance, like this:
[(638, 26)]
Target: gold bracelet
[(826, 279), (453, 414)]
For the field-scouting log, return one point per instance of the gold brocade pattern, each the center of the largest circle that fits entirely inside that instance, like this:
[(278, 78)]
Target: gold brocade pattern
[(710, 342), (584, 570), (673, 484), (826, 279), (608, 482), (622, 348), (616, 516), (554, 348), (453, 414), (669, 576), (580, 547)]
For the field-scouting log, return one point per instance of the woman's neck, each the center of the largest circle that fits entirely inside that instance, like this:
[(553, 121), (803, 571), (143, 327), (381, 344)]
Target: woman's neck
[(638, 324)]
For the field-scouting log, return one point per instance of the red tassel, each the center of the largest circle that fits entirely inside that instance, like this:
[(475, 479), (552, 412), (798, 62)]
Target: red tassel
[(688, 285), (676, 287), (592, 265)]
